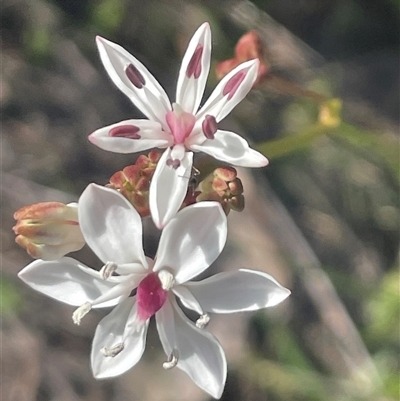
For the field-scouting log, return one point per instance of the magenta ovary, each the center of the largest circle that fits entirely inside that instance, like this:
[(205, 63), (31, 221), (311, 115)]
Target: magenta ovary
[(150, 296)]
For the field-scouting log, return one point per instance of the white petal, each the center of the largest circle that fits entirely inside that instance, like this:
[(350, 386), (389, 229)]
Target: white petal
[(120, 291), (189, 91), (165, 321), (111, 226), (200, 354), (192, 240), (187, 298), (53, 252), (151, 99), (218, 104), (121, 326), (243, 290), (67, 280), (133, 268), (168, 188), (231, 148), (151, 136)]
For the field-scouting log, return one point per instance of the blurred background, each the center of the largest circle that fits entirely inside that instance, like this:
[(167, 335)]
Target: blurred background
[(323, 217)]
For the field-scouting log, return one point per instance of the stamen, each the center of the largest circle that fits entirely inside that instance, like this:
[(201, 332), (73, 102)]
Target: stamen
[(173, 163), (202, 321), (194, 66), (209, 126), (172, 360), (233, 84), (80, 313), (135, 76), (113, 351), (107, 270), (125, 131), (167, 279)]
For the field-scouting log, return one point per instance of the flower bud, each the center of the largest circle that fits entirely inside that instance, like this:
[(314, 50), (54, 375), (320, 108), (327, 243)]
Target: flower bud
[(48, 230), (133, 181), (249, 47), (223, 186)]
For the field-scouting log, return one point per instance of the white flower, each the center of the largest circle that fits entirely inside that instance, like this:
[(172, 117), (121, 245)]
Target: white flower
[(190, 242), (180, 128)]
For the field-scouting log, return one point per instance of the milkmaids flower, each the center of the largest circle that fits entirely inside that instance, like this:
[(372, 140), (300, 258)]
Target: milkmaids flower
[(180, 128), (190, 242)]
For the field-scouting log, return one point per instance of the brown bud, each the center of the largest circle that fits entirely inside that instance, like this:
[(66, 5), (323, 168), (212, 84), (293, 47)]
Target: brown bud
[(249, 47), (223, 186), (133, 181)]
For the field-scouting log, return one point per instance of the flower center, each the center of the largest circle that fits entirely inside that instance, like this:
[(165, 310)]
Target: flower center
[(150, 296), (180, 123)]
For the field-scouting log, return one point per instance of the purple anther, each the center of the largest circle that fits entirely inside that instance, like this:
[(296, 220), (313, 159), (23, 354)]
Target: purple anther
[(125, 131), (135, 76), (194, 66), (209, 126), (233, 84), (173, 163)]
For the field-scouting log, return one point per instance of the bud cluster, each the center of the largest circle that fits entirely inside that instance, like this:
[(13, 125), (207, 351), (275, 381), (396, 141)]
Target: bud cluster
[(134, 181), (223, 186)]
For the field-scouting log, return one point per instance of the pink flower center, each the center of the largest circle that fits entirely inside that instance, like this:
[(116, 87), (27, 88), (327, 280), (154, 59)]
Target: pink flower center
[(180, 123), (150, 296)]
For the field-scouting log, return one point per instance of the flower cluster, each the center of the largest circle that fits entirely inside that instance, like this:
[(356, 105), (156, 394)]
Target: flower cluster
[(193, 220)]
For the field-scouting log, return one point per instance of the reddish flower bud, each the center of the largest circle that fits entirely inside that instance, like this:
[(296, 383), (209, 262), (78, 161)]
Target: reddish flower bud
[(223, 186), (48, 230), (134, 181), (249, 47)]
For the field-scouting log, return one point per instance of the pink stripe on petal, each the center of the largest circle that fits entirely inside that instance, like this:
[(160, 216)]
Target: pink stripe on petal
[(233, 84), (125, 131), (194, 66), (135, 76)]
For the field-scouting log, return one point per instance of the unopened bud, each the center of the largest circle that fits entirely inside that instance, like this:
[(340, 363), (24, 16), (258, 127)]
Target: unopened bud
[(48, 230), (223, 186), (133, 181), (249, 47)]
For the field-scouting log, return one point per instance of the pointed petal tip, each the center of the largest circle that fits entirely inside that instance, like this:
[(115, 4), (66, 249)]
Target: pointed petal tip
[(281, 295), (264, 162), (205, 26), (159, 224), (91, 138), (100, 40)]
